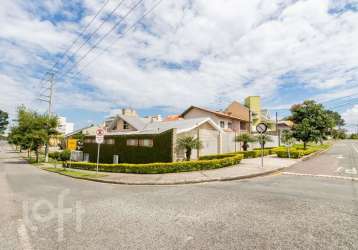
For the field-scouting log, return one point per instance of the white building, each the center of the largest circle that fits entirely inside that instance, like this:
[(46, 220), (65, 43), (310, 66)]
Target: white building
[(64, 127)]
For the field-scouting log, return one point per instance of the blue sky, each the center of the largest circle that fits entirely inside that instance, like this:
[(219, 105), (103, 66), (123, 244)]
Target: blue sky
[(186, 52)]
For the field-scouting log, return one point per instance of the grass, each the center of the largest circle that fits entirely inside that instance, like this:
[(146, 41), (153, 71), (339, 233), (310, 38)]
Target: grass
[(72, 173)]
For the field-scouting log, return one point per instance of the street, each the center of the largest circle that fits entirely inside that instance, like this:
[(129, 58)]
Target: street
[(340, 161), (42, 210)]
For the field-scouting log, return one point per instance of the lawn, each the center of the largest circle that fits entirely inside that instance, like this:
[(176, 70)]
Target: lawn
[(73, 173)]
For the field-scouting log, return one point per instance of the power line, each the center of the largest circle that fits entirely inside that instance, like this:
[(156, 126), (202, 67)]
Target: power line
[(132, 27), (93, 33), (102, 38), (76, 40)]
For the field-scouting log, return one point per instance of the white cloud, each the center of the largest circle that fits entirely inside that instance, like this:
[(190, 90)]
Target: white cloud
[(240, 47)]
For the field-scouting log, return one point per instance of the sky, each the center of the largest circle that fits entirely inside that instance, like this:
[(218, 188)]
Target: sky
[(184, 52)]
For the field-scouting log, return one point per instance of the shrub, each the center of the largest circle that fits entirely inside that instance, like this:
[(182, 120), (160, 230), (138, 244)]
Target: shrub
[(65, 155), (55, 155), (160, 168), (218, 156), (297, 151)]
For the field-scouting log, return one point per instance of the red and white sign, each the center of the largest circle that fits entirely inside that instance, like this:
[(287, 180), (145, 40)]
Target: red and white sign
[(100, 135)]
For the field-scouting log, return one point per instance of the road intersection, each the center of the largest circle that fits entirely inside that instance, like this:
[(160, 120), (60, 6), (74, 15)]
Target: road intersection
[(272, 212)]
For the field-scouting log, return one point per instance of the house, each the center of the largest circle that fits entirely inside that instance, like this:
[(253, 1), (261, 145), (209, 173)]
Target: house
[(257, 114), (155, 141), (234, 119)]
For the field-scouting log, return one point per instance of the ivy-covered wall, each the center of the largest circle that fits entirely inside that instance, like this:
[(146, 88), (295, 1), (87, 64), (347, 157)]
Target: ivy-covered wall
[(160, 152)]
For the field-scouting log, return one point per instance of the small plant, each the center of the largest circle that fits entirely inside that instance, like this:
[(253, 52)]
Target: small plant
[(65, 155), (288, 139), (245, 139), (263, 139), (189, 143)]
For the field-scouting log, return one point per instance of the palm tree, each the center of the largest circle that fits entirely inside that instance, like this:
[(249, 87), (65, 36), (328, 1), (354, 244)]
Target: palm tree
[(245, 139), (263, 139), (189, 143)]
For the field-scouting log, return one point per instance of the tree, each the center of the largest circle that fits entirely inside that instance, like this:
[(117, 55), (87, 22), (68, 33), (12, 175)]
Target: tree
[(287, 139), (311, 122), (189, 143), (245, 138), (33, 130), (263, 139), (4, 121)]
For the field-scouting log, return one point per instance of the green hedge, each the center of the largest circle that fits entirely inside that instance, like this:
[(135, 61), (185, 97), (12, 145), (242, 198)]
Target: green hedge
[(160, 168), (160, 152), (245, 154), (297, 151)]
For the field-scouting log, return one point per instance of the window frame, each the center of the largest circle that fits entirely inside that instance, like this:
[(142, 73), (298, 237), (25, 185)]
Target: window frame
[(142, 144), (134, 144)]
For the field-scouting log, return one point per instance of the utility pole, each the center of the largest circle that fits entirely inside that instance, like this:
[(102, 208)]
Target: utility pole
[(49, 99), (277, 131)]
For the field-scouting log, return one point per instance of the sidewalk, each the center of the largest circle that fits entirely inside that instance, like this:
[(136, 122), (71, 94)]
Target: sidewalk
[(248, 168)]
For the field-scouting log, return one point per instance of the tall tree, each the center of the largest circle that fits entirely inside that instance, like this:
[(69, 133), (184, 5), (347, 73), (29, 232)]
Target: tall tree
[(33, 130), (311, 122), (4, 121)]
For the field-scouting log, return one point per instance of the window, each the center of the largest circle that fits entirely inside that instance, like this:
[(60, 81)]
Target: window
[(146, 142), (132, 142), (109, 141), (89, 140), (222, 124), (125, 125), (229, 125)]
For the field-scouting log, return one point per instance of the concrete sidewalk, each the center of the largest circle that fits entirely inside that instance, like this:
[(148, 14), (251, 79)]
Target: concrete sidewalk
[(248, 168)]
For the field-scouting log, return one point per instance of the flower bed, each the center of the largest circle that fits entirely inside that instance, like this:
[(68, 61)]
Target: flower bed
[(160, 168)]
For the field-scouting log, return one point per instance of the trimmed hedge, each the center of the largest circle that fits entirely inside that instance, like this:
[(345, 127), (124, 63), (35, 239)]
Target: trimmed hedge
[(160, 152), (245, 154), (160, 168), (297, 151)]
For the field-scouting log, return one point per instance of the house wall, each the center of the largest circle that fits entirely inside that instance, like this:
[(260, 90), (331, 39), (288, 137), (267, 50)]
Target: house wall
[(160, 152), (209, 137), (238, 110)]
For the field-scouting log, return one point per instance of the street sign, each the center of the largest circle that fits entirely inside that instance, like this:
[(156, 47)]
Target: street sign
[(99, 140), (100, 135), (261, 128), (72, 144)]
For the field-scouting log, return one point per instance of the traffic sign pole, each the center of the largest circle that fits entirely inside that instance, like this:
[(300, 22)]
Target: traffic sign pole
[(261, 128), (99, 139), (99, 146)]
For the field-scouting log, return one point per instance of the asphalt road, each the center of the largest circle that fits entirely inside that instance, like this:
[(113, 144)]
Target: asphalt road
[(273, 212), (341, 160)]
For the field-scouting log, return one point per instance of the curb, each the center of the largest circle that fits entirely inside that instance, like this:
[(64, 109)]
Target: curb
[(250, 176), (172, 182)]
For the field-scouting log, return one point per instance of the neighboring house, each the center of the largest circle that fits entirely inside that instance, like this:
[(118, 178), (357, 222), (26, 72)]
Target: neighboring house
[(284, 125), (157, 140), (87, 131), (257, 114), (226, 121)]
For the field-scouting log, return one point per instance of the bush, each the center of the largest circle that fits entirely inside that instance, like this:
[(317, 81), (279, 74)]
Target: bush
[(55, 155), (297, 151), (160, 168), (218, 156), (65, 155), (245, 154)]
